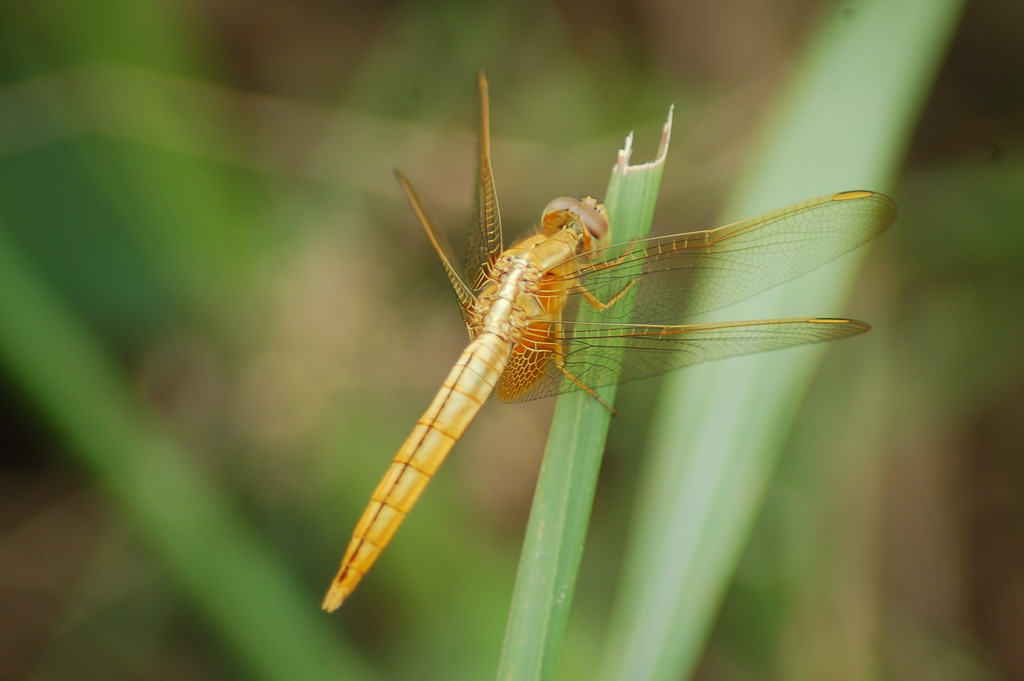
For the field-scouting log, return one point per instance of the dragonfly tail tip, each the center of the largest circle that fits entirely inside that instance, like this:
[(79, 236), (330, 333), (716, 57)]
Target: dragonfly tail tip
[(333, 600)]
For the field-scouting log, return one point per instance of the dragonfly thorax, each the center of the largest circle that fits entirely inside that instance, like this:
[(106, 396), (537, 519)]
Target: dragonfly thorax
[(504, 303)]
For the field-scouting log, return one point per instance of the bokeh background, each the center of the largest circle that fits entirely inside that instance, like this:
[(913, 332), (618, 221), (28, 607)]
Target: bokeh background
[(219, 320)]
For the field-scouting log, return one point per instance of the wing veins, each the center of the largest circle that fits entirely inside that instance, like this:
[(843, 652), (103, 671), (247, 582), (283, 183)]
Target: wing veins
[(438, 241), (485, 240), (686, 274)]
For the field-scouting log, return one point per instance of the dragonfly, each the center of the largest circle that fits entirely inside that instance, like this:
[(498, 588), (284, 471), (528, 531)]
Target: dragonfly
[(520, 306)]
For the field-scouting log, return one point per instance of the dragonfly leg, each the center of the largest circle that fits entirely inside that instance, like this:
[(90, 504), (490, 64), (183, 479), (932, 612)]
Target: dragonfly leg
[(560, 363), (597, 304), (594, 301)]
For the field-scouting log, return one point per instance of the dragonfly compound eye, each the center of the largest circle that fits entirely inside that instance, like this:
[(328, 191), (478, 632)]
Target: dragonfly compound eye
[(554, 216), (594, 222)]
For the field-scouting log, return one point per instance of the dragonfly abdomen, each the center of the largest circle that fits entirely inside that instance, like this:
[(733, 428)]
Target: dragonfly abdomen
[(469, 384)]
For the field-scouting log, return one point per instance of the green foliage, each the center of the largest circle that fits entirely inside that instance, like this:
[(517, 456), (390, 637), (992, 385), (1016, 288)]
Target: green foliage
[(217, 320), (568, 477)]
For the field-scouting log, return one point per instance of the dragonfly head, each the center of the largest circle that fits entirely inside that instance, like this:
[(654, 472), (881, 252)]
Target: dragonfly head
[(586, 216)]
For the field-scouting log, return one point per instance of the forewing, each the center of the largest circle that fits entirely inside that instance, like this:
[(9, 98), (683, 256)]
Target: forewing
[(485, 243), (439, 243), (683, 275), (599, 354)]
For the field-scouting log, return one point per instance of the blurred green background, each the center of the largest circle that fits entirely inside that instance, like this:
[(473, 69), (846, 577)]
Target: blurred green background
[(218, 320)]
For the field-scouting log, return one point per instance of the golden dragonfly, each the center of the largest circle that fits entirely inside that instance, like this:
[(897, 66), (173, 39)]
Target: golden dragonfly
[(520, 303)]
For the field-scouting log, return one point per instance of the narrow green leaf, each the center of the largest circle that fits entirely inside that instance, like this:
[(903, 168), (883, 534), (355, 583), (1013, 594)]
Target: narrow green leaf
[(245, 592), (565, 490), (843, 124)]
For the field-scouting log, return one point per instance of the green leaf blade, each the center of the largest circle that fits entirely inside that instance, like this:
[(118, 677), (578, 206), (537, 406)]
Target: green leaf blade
[(565, 489), (842, 125)]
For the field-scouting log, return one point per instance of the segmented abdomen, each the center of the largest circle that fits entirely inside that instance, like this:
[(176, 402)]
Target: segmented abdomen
[(467, 387)]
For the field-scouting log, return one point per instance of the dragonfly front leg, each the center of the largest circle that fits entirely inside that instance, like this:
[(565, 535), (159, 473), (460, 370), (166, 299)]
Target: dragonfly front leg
[(559, 359), (596, 302)]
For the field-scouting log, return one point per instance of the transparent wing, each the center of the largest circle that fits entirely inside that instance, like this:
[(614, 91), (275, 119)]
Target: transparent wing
[(437, 240), (599, 354), (682, 275), (485, 243)]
